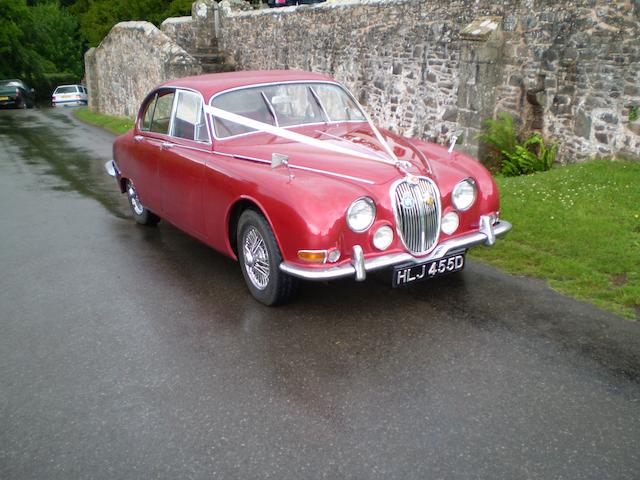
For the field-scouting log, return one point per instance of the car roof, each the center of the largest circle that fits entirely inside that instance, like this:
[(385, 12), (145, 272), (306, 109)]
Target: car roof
[(72, 85), (213, 83)]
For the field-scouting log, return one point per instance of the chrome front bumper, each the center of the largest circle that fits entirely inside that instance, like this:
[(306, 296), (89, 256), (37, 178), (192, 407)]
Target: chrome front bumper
[(359, 267)]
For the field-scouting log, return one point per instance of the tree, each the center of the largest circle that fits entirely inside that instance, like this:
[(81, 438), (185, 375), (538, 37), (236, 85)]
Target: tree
[(16, 58), (39, 44), (97, 17)]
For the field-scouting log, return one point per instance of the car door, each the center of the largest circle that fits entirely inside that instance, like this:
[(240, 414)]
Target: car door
[(152, 132), (182, 163)]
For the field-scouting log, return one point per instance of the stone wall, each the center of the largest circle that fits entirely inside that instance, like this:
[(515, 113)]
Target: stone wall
[(131, 60), (181, 30), (424, 68)]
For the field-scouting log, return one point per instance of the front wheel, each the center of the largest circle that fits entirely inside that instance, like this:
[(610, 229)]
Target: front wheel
[(140, 214), (260, 260)]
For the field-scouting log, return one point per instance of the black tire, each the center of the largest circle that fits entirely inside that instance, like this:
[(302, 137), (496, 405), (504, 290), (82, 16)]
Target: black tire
[(141, 214), (268, 285)]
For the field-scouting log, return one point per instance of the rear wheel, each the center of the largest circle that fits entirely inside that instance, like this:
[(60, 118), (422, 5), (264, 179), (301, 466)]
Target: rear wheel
[(140, 214), (260, 260)]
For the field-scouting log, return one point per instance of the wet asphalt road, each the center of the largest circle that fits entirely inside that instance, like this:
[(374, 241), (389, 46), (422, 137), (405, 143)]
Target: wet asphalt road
[(132, 352)]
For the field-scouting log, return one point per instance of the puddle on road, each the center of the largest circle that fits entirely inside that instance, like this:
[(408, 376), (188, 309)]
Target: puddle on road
[(39, 143)]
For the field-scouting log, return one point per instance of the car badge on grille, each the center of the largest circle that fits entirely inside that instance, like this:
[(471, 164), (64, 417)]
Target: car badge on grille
[(428, 199), (412, 179), (407, 201)]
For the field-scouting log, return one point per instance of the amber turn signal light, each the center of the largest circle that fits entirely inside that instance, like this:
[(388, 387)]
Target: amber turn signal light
[(313, 256)]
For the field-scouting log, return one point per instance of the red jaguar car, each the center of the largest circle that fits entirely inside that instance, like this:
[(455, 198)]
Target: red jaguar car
[(285, 172)]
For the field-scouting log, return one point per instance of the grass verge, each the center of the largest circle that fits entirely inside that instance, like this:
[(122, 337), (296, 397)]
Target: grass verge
[(117, 125), (578, 227)]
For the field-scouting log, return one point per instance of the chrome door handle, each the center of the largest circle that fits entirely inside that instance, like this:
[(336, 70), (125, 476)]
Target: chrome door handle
[(138, 138), (167, 145)]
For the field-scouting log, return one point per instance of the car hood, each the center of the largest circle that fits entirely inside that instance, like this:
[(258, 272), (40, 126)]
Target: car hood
[(357, 137)]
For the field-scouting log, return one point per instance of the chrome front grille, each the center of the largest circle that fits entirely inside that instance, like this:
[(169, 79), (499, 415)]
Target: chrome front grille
[(416, 205)]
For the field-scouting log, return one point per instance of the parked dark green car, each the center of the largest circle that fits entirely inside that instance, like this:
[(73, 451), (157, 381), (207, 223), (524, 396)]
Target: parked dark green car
[(15, 93)]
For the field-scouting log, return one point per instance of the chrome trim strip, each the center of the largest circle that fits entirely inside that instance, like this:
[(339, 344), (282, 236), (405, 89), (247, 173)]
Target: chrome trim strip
[(456, 244), (298, 167), (333, 174), (188, 147)]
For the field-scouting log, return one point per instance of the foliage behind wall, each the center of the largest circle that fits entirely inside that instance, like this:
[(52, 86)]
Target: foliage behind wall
[(43, 41)]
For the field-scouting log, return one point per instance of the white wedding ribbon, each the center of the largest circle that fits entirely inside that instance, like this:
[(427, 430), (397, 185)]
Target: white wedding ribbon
[(298, 137)]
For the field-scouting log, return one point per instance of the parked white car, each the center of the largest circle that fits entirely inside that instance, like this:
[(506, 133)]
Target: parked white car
[(67, 95)]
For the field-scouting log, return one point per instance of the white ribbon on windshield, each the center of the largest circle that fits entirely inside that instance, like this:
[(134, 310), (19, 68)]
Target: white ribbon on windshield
[(298, 137)]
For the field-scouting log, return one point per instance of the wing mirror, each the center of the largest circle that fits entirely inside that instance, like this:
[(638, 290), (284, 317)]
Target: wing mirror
[(278, 160)]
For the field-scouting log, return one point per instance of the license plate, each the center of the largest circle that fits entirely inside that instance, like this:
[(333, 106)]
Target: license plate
[(2, 99), (405, 275)]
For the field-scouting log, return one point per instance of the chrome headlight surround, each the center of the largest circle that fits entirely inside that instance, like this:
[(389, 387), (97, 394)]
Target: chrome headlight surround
[(361, 214), (464, 194)]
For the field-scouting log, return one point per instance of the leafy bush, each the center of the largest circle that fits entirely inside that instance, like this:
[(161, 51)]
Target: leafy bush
[(515, 157)]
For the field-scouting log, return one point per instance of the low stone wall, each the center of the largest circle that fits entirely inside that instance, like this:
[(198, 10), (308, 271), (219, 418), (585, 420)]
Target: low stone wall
[(424, 68), (132, 59)]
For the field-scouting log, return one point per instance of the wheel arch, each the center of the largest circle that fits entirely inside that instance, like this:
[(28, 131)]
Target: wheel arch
[(233, 216)]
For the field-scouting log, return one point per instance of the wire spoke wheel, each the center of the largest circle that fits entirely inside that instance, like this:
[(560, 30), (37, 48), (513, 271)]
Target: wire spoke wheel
[(260, 258), (256, 258), (141, 214), (134, 201)]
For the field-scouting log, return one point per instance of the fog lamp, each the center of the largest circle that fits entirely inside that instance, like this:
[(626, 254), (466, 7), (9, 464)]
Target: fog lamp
[(450, 223), (334, 255), (383, 237)]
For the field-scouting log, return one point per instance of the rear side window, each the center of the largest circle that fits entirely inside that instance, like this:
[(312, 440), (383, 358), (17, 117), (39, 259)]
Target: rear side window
[(148, 114), (189, 121), (157, 115), (162, 113)]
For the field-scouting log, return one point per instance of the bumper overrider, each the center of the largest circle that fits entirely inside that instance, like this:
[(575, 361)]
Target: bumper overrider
[(112, 169), (486, 235)]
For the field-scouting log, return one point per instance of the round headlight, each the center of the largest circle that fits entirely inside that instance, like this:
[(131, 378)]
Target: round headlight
[(361, 214), (450, 223), (383, 238), (464, 194)]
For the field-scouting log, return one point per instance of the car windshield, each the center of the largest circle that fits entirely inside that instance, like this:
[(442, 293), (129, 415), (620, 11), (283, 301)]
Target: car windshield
[(285, 105), (66, 89)]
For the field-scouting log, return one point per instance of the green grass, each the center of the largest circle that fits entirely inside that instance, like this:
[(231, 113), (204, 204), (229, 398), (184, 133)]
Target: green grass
[(117, 125), (578, 227)]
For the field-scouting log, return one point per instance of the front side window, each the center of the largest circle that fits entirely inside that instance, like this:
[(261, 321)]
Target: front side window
[(189, 121), (285, 105)]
